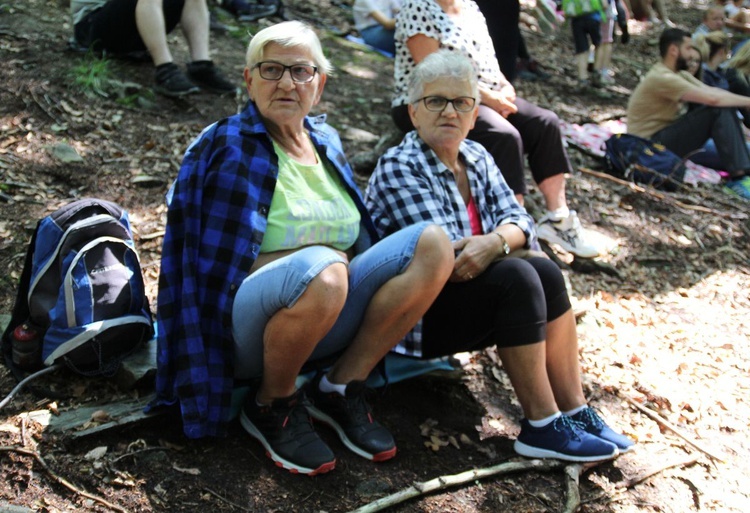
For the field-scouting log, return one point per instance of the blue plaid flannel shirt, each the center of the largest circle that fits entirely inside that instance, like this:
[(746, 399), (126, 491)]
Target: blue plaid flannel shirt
[(410, 184), (216, 220)]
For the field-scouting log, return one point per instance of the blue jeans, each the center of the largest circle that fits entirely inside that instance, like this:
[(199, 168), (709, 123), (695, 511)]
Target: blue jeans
[(280, 284), (380, 37)]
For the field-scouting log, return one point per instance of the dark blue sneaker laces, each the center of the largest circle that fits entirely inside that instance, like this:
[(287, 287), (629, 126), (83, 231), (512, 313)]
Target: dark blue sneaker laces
[(592, 423)]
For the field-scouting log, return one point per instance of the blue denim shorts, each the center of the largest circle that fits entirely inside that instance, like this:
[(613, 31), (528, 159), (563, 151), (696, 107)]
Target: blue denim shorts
[(280, 283)]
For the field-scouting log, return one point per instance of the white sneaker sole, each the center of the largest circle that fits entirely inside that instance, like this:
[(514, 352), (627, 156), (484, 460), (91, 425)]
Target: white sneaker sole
[(535, 452), (253, 431), (326, 419)]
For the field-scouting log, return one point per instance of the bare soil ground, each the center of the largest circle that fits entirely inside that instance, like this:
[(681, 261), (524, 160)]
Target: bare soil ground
[(665, 331)]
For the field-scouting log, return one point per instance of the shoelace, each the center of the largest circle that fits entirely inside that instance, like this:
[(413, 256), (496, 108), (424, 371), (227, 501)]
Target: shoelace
[(297, 420), (567, 426), (589, 416), (359, 408)]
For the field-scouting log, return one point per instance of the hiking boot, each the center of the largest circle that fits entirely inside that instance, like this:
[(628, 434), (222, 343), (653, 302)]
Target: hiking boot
[(245, 11), (207, 76), (563, 439), (593, 424), (351, 417), (567, 233), (740, 187), (171, 81), (285, 430)]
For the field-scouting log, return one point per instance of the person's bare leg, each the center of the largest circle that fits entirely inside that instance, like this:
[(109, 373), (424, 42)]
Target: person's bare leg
[(195, 25), (149, 18), (563, 367), (582, 63), (603, 56), (396, 307), (553, 190), (292, 333), (527, 369)]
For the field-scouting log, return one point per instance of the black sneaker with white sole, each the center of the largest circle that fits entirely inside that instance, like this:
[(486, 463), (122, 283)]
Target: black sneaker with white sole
[(171, 81), (351, 417), (285, 430), (207, 76)]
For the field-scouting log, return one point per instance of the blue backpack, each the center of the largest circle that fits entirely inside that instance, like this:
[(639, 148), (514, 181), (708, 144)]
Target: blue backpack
[(643, 161), (81, 296)]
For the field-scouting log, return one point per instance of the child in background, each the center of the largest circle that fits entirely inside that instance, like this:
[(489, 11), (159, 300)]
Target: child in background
[(375, 20), (586, 19)]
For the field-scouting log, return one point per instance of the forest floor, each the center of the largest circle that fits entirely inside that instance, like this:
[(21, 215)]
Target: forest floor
[(663, 335)]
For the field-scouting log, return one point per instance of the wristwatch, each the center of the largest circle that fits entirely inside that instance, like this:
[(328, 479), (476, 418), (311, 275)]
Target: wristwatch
[(506, 247)]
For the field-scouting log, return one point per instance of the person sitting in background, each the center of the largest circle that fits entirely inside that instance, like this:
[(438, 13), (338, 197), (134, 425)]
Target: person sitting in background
[(122, 27), (715, 52), (375, 20), (508, 126), (737, 72), (657, 110), (518, 305), (713, 20), (271, 262), (252, 10)]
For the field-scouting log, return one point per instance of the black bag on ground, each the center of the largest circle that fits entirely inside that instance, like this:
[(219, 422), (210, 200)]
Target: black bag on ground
[(81, 299), (643, 161)]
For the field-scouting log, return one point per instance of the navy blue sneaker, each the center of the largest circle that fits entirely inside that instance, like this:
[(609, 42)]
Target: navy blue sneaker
[(563, 439), (285, 430), (351, 418), (595, 425)]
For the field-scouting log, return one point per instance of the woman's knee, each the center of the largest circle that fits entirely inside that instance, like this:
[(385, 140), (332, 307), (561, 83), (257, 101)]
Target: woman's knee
[(435, 251), (329, 288)]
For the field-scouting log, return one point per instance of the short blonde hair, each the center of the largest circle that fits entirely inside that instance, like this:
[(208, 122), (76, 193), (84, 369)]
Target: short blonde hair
[(741, 59), (288, 34)]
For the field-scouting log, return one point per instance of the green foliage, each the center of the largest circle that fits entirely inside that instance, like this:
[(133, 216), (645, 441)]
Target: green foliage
[(92, 75)]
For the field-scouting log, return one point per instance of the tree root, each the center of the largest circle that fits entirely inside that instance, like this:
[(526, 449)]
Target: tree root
[(60, 480)]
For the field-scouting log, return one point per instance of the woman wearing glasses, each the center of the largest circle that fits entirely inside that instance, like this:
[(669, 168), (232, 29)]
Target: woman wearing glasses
[(271, 262), (492, 298), (509, 127)]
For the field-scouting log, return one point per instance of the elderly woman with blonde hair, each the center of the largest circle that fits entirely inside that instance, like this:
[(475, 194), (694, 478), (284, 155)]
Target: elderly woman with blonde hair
[(271, 263), (519, 305)]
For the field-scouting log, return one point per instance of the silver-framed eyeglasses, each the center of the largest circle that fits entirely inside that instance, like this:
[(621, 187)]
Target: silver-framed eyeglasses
[(300, 73), (439, 103)]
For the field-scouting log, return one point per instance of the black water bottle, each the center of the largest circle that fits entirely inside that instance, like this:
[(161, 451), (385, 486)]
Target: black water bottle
[(26, 345)]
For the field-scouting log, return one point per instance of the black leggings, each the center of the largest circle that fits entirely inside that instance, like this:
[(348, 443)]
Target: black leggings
[(113, 28), (508, 305)]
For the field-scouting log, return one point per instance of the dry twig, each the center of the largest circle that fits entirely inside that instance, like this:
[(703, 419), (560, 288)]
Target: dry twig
[(443, 482), (60, 480), (658, 195), (664, 422)]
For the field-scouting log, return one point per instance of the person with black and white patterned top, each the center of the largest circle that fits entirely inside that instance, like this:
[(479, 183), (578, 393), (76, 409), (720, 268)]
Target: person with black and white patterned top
[(507, 126)]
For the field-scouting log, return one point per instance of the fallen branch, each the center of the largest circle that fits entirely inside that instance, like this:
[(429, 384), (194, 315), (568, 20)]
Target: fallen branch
[(443, 482), (658, 195), (60, 480), (664, 422), (627, 484), (630, 483)]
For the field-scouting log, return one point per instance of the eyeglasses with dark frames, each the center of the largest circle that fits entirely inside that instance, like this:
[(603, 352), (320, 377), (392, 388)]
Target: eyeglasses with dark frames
[(300, 73), (439, 103)]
